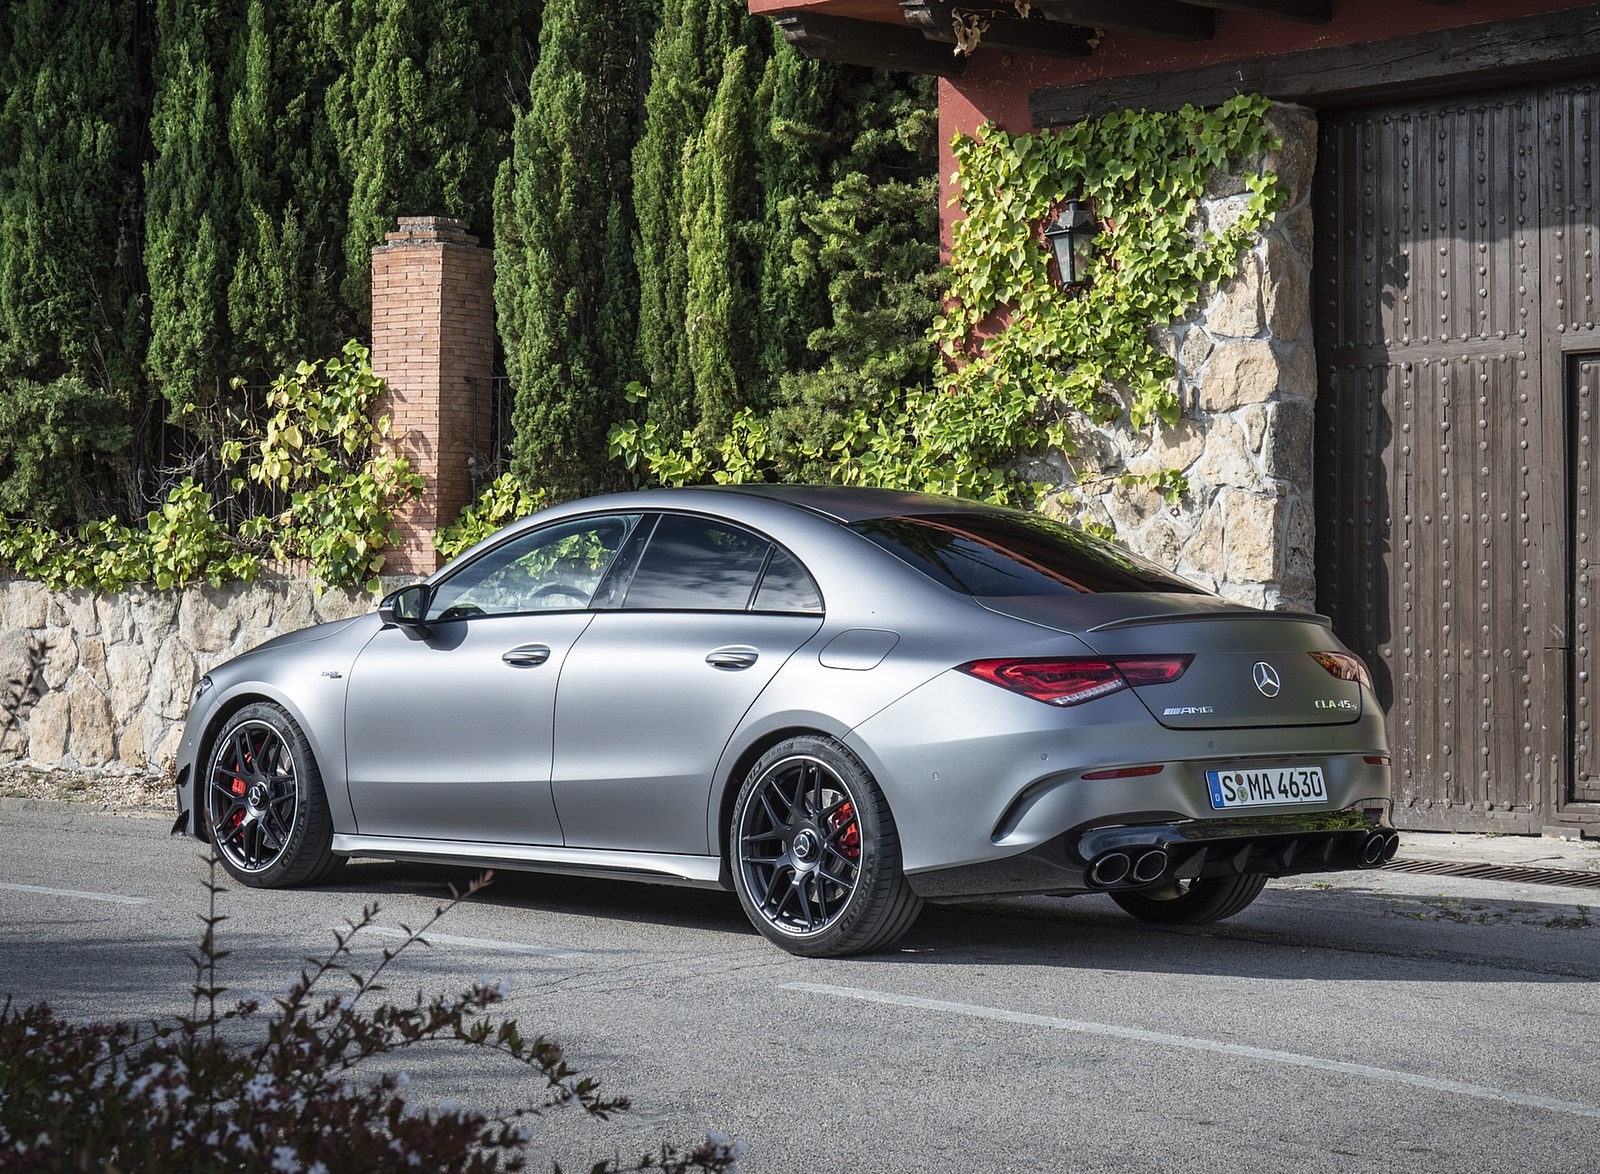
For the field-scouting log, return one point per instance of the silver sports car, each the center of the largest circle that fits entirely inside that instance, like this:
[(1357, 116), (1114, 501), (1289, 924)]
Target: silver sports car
[(839, 703)]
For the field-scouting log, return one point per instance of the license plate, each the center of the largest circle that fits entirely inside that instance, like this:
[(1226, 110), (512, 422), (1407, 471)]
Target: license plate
[(1266, 786)]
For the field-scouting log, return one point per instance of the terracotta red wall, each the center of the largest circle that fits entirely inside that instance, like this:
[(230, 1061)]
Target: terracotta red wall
[(996, 86)]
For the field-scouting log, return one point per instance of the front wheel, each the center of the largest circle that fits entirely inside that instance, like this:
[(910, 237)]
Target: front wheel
[(265, 810), (1192, 902), (815, 852)]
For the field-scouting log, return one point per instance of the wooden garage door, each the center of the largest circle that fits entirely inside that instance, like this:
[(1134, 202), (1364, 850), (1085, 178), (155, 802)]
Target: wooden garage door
[(1454, 301)]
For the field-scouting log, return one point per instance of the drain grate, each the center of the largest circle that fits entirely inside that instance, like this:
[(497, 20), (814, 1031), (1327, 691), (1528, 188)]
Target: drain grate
[(1499, 872)]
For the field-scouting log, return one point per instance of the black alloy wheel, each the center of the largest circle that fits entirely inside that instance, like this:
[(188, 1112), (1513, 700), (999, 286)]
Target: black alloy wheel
[(816, 857), (265, 810)]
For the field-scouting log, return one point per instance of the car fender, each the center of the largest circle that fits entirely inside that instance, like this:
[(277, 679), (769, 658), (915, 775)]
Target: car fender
[(307, 679)]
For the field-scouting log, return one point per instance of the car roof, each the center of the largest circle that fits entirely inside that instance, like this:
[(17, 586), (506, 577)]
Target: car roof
[(846, 503)]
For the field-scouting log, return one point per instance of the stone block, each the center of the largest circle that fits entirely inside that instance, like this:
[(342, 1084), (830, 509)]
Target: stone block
[(164, 752), (294, 608), (60, 657), (342, 604), (1202, 554), (172, 680), (92, 661), (116, 618), (1131, 506), (1295, 160), (1239, 373), (23, 606), (1227, 460), (94, 741), (1195, 349), (21, 664), (1298, 228), (204, 625), (128, 674), (153, 615), (49, 725), (1297, 375), (1221, 215), (1235, 312), (1300, 546), (1177, 446), (1162, 543), (1286, 445), (1251, 537), (1285, 290), (139, 737)]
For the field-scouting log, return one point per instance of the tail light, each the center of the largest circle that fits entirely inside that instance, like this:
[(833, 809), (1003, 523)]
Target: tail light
[(1347, 666), (1075, 679)]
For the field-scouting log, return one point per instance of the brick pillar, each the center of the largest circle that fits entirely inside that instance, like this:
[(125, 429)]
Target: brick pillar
[(433, 343)]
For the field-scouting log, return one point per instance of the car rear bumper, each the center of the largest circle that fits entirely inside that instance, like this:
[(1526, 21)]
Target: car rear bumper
[(1109, 856)]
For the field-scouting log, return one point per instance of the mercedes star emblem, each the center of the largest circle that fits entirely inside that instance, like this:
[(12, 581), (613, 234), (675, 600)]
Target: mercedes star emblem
[(1266, 679)]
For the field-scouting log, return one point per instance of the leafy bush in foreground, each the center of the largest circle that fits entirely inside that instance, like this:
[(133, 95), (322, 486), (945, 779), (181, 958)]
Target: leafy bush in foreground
[(186, 1096)]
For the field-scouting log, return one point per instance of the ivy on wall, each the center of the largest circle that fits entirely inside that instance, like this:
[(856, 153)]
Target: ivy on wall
[(319, 448), (1016, 355)]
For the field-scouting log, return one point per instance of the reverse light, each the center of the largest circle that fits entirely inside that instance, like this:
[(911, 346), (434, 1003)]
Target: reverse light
[(1075, 679), (1347, 666)]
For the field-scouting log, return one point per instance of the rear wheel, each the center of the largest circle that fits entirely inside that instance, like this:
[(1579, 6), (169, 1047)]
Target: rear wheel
[(265, 809), (815, 853), (1192, 902)]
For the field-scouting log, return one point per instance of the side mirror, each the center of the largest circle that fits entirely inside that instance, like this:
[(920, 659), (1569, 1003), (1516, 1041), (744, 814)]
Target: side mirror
[(406, 607)]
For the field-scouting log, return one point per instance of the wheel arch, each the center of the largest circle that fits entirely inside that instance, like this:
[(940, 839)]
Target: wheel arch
[(329, 767)]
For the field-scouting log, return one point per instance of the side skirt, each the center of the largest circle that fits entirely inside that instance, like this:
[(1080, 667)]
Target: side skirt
[(700, 872)]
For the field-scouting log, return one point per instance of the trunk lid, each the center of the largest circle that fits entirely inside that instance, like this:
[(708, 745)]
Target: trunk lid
[(1250, 667)]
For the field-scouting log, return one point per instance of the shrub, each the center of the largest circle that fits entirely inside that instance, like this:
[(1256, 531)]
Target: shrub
[(182, 1096)]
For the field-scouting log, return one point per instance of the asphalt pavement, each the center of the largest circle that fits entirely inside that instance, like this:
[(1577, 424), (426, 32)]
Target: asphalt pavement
[(1345, 1023)]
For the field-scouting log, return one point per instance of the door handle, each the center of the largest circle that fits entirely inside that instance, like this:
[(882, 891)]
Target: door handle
[(736, 657), (527, 655)]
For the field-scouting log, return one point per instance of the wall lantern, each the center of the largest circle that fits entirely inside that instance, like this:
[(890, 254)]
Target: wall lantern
[(1071, 236)]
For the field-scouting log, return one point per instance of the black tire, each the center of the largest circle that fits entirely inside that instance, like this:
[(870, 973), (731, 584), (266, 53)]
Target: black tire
[(1192, 902), (265, 810), (815, 855)]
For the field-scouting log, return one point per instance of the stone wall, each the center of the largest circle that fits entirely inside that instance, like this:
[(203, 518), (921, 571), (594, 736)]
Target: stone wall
[(1247, 383), (105, 681)]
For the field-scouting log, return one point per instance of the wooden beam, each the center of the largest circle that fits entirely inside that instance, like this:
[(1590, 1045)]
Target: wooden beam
[(1002, 28), (1309, 11), (1146, 18), (869, 43), (1504, 52)]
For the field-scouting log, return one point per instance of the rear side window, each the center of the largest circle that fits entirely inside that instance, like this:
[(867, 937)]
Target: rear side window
[(699, 564), (786, 586), (999, 554)]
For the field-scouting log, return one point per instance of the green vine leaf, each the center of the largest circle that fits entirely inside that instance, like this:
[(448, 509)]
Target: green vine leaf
[(1016, 357)]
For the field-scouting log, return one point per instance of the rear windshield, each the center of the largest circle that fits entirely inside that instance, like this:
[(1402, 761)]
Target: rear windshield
[(999, 554)]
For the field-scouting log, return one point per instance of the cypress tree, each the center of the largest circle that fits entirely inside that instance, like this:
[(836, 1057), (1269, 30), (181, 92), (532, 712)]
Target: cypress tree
[(190, 197), (72, 114), (282, 295), (694, 41), (797, 107), (719, 208), (868, 239), (565, 316), (422, 114)]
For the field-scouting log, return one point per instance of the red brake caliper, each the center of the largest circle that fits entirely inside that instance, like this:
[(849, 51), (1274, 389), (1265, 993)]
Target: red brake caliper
[(850, 842), (238, 788)]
